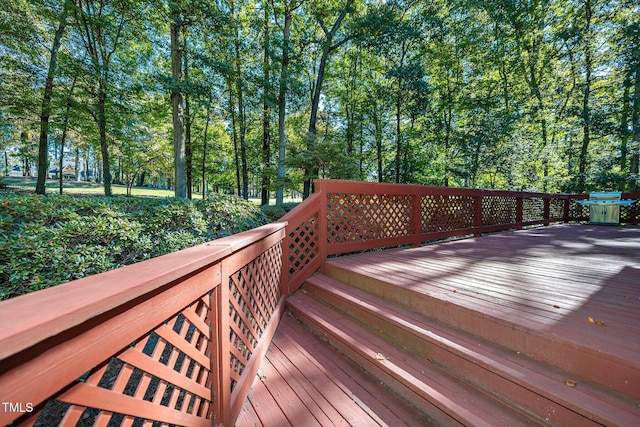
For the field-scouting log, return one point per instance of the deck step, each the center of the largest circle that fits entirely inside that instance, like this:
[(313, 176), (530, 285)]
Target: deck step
[(582, 362), (443, 398), (509, 377)]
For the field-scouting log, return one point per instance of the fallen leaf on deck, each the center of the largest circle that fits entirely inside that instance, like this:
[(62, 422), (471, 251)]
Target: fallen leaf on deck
[(570, 383), (380, 356), (591, 319), (600, 323), (556, 306)]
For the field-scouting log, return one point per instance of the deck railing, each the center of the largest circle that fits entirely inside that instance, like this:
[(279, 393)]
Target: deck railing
[(177, 340)]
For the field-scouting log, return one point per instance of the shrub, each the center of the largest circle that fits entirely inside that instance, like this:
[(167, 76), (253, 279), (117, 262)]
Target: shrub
[(45, 241), (274, 213)]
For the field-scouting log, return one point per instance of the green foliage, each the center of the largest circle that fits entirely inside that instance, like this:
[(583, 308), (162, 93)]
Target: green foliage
[(274, 213), (507, 94), (48, 241)]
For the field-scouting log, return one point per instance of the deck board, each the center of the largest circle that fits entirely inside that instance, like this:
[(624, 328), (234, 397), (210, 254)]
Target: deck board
[(547, 280), (329, 390)]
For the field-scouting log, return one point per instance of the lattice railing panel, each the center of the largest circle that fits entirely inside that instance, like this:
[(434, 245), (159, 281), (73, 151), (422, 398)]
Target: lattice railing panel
[(532, 209), (498, 210), (162, 378), (629, 214), (446, 212), (578, 212), (556, 208), (353, 217), (254, 291), (303, 244)]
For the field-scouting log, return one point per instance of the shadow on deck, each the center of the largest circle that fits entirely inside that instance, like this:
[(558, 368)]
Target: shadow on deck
[(532, 327)]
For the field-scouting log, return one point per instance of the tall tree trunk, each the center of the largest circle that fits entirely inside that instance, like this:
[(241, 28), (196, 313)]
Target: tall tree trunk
[(540, 114), (624, 126), (282, 101), (76, 164), (242, 118), (234, 133), (204, 151), (243, 126), (45, 112), (188, 156), (177, 105), (104, 145), (398, 131), (187, 125), (266, 113), (64, 134), (377, 122), (447, 112), (635, 124), (61, 160), (312, 171), (586, 114)]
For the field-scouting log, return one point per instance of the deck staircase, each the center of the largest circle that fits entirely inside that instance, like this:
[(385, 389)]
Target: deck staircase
[(454, 376)]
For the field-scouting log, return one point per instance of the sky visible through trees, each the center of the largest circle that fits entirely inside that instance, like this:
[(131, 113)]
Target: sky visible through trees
[(261, 97)]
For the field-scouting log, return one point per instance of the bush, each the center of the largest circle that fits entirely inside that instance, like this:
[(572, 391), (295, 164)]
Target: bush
[(45, 241), (274, 213)]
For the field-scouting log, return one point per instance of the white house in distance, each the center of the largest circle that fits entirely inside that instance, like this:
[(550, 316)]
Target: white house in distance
[(68, 172)]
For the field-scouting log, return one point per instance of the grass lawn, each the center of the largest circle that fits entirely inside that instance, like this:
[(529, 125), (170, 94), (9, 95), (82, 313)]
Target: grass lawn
[(80, 187)]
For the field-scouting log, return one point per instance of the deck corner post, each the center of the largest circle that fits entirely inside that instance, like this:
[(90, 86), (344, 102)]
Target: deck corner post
[(323, 234)]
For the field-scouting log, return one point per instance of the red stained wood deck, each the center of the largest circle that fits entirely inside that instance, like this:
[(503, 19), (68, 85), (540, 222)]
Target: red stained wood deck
[(304, 382), (548, 281), (573, 291)]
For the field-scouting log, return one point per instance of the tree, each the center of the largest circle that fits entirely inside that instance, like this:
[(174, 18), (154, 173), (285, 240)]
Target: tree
[(177, 106), (288, 9), (266, 109), (43, 148), (327, 46), (101, 24)]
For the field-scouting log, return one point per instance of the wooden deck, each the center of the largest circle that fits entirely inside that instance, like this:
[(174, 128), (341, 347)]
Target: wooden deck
[(549, 280), (572, 290), (304, 382)]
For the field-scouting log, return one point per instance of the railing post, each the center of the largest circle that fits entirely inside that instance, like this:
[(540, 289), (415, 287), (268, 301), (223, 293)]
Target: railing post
[(519, 209), (547, 210), (477, 215), (284, 272), (221, 386), (416, 216), (323, 242)]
